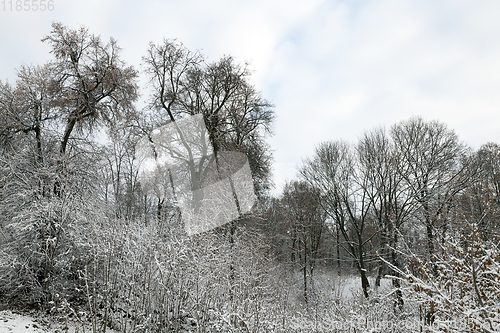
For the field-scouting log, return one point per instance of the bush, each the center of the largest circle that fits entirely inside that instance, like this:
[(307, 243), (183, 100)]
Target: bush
[(461, 288)]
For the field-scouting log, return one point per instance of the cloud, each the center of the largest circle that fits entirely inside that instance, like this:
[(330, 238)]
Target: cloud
[(333, 69), (350, 68)]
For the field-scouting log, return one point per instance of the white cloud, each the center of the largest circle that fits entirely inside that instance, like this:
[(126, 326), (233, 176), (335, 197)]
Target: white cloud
[(332, 68)]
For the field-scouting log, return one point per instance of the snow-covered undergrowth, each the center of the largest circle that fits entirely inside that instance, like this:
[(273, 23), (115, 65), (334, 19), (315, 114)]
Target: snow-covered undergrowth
[(132, 277), (135, 278), (336, 312)]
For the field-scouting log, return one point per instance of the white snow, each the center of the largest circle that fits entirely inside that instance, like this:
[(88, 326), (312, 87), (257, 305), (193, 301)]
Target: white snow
[(15, 322)]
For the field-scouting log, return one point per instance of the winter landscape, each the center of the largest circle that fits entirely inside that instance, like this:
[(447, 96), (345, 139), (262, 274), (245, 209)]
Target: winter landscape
[(151, 197)]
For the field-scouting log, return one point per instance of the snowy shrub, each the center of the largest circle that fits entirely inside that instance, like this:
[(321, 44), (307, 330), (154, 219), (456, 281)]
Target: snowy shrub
[(140, 279), (45, 251), (462, 292)]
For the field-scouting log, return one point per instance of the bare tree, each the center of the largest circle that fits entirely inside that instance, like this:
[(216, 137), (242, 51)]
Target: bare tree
[(429, 161), (480, 201), (334, 171), (93, 84), (233, 112), (120, 172), (305, 221), (28, 106), (391, 205)]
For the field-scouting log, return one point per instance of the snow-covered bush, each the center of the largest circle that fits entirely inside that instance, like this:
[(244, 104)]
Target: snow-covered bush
[(45, 247), (141, 279), (463, 292)]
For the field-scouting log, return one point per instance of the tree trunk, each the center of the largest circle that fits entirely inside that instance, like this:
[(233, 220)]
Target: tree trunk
[(380, 272), (430, 245), (62, 150), (339, 272), (364, 280), (361, 265), (67, 133), (39, 153), (305, 274), (430, 239), (395, 283)]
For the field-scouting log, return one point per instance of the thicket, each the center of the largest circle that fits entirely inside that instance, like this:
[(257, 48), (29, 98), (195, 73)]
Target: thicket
[(84, 239)]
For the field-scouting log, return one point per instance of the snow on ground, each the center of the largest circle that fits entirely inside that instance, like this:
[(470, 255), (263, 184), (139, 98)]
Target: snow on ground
[(16, 322), (345, 287)]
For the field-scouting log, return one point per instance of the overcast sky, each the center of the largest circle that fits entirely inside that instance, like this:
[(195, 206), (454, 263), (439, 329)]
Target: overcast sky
[(333, 69)]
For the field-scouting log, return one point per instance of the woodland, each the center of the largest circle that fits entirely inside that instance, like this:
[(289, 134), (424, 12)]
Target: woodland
[(397, 232)]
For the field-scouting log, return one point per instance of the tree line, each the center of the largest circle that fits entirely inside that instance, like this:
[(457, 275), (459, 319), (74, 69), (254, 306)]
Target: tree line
[(79, 228), (82, 236), (398, 202)]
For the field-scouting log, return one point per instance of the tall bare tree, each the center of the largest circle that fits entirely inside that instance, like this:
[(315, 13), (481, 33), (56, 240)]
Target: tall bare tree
[(234, 113), (430, 162), (94, 86), (334, 171), (391, 205), (481, 200), (305, 221)]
